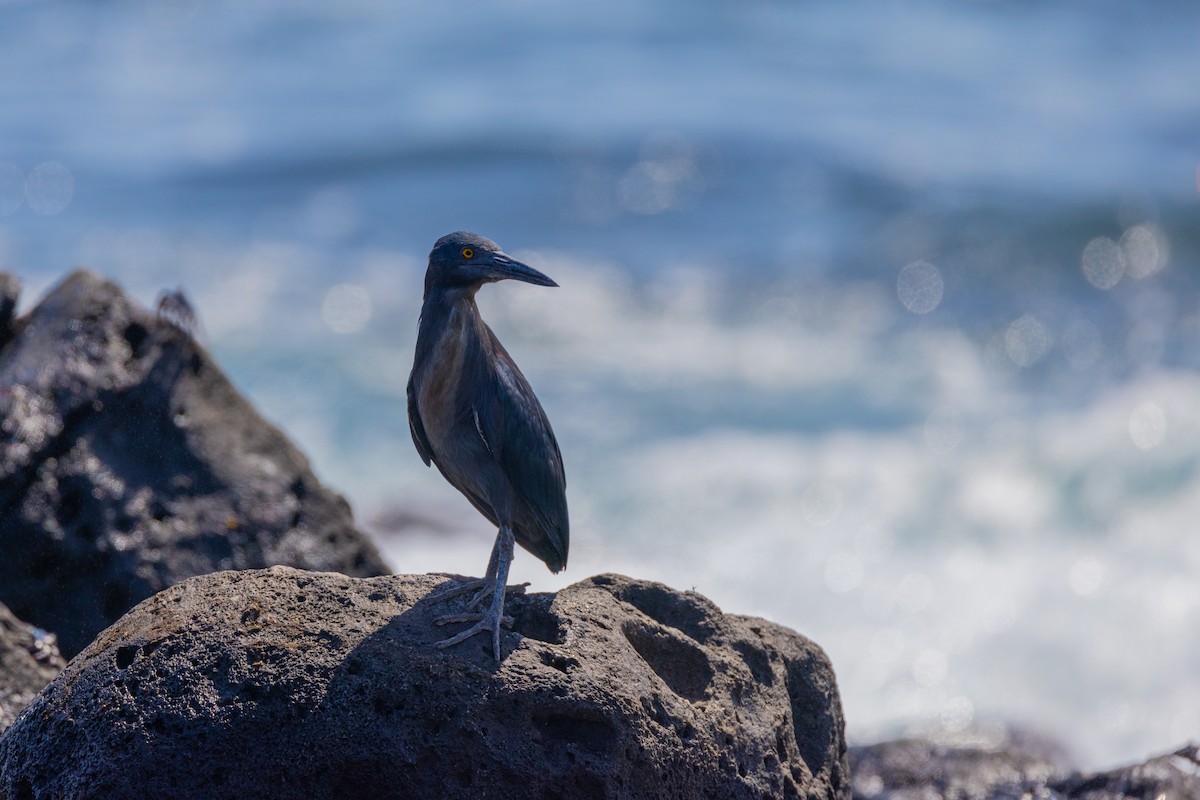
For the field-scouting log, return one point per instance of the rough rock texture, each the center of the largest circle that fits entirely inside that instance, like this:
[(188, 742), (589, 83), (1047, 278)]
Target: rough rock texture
[(908, 769), (287, 684), (29, 659), (128, 463), (1013, 769), (1171, 777)]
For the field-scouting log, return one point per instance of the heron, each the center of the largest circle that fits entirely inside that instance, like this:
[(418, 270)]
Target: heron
[(473, 415)]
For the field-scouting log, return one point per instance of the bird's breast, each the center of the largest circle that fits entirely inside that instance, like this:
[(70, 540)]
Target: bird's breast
[(438, 391)]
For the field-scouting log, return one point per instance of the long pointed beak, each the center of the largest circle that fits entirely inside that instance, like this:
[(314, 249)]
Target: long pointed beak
[(501, 267)]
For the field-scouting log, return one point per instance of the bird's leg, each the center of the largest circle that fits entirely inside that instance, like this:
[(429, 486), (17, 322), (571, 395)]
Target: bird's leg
[(481, 586), (496, 581), (490, 579)]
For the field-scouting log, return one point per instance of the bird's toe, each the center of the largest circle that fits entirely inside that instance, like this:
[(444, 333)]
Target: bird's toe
[(449, 619), (460, 589)]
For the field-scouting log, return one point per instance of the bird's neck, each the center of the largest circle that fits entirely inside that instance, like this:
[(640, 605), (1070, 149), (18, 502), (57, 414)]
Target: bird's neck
[(445, 311), (438, 305)]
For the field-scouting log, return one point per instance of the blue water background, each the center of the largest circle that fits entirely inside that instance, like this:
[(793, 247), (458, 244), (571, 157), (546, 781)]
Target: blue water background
[(881, 320)]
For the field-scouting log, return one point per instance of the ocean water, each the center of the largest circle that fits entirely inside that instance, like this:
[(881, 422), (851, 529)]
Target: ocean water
[(880, 320)]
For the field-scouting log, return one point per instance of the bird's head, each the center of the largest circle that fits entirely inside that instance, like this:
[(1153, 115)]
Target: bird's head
[(465, 260)]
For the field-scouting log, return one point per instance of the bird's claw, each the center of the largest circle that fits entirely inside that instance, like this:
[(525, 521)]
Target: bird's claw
[(505, 621), (462, 588), (486, 592), (484, 623), (494, 585)]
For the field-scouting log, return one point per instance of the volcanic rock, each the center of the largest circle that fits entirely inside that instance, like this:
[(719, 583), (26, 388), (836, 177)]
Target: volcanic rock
[(29, 659), (1175, 776), (1015, 767), (288, 684), (1007, 766), (128, 463)]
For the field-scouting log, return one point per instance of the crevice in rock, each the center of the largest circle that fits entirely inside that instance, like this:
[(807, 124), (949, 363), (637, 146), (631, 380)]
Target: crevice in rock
[(681, 664)]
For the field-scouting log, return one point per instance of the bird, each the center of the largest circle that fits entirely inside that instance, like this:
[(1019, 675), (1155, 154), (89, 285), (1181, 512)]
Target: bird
[(176, 310), (474, 415)]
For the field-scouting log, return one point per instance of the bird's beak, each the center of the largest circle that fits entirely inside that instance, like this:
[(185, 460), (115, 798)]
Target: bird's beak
[(501, 267)]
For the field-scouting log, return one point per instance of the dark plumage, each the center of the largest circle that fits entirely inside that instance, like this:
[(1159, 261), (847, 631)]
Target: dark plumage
[(473, 414)]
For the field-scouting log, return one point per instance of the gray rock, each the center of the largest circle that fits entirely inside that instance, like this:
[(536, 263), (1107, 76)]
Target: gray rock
[(1009, 766), (1017, 767), (1175, 776), (128, 463), (287, 684), (29, 659)]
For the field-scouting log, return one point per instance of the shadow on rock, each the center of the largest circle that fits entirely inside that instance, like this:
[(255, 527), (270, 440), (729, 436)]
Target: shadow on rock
[(287, 684)]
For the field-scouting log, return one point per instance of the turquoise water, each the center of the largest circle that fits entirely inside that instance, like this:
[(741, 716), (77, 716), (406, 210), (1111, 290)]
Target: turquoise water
[(877, 319)]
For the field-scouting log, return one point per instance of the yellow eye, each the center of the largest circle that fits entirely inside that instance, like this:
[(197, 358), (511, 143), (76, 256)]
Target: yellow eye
[(468, 252)]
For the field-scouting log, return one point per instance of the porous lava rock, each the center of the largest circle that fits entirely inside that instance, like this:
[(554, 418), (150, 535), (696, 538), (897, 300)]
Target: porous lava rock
[(1175, 776), (128, 463), (1014, 767), (1004, 765), (29, 659), (288, 684)]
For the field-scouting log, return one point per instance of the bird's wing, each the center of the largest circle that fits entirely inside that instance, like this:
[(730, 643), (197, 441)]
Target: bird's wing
[(416, 427), (513, 426)]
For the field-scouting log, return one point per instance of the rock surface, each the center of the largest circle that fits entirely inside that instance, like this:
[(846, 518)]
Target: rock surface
[(1012, 769), (1175, 776), (29, 659), (915, 768), (128, 463), (287, 684)]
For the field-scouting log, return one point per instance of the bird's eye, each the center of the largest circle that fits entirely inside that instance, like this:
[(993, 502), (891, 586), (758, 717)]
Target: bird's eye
[(468, 253)]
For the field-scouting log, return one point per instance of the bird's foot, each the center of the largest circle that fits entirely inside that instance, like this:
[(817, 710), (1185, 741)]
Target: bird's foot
[(462, 588), (483, 589), (490, 621), (484, 623), (486, 591), (505, 621), (493, 585)]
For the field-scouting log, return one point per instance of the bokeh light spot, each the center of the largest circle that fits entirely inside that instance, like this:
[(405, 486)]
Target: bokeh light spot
[(1103, 262), (1026, 341), (49, 188), (1147, 426), (347, 308), (920, 287), (1145, 250)]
